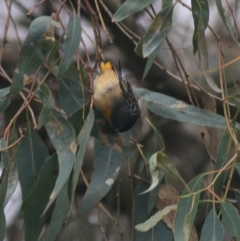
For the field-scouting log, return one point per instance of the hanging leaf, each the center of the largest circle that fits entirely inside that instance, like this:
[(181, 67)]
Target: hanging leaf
[(232, 30), (4, 176), (4, 98), (186, 210), (40, 194), (71, 44), (158, 31), (35, 48), (200, 12), (29, 158), (223, 155), (12, 173), (82, 141), (212, 229), (62, 136), (59, 213), (108, 163), (129, 7), (160, 231), (231, 219), (72, 95)]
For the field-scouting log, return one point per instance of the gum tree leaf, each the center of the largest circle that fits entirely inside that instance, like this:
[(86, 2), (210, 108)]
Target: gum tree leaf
[(2, 223), (232, 30), (59, 213), (4, 98), (158, 31), (171, 108), (72, 95), (41, 192), (200, 12), (29, 158), (203, 58), (186, 210), (129, 7), (231, 219), (4, 176), (223, 155), (82, 140), (108, 163), (212, 229), (35, 48), (62, 135), (71, 43), (160, 231), (12, 174)]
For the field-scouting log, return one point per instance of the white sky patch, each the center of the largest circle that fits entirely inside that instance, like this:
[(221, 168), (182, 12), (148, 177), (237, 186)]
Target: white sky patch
[(109, 181)]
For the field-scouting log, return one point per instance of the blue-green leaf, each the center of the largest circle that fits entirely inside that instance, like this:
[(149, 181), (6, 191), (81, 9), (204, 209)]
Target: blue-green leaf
[(129, 7), (35, 48), (82, 141), (30, 157), (71, 43), (108, 163), (212, 229), (223, 155), (4, 98), (59, 213), (158, 31), (231, 219), (171, 108), (72, 95), (186, 210)]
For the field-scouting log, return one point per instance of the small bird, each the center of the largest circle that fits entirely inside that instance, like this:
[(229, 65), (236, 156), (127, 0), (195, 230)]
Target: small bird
[(114, 98)]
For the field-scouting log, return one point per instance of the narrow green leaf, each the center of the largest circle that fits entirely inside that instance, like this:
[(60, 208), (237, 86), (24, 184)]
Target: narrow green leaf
[(231, 219), (71, 43), (237, 167), (158, 31), (156, 173), (12, 173), (223, 155), (4, 176), (160, 231), (150, 61), (138, 49), (62, 135), (168, 107), (63, 138), (29, 158), (186, 210), (212, 229), (82, 141), (72, 95), (2, 223), (59, 213), (129, 7), (4, 98), (200, 13), (203, 57), (150, 223), (40, 194), (226, 20), (35, 48), (108, 163)]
